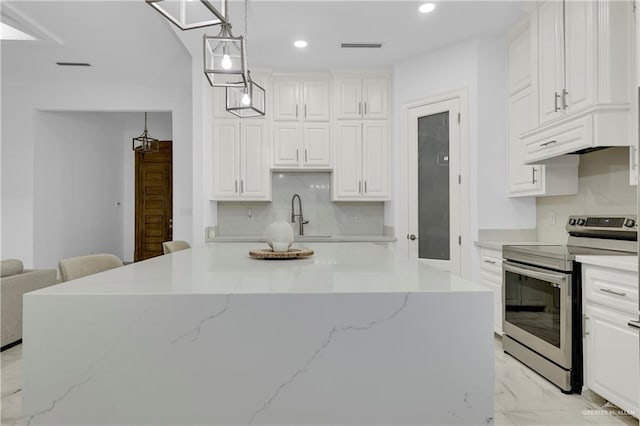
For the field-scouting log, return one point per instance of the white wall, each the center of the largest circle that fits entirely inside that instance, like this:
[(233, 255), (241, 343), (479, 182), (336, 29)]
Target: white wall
[(78, 191), (20, 104), (478, 66)]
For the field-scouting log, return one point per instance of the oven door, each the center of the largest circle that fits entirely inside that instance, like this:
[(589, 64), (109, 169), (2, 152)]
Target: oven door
[(537, 310)]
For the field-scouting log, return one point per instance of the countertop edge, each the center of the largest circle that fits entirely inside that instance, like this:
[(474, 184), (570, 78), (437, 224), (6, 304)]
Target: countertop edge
[(625, 263), (339, 239)]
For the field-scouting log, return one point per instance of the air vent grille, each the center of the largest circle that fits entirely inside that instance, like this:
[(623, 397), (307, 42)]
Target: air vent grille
[(73, 64), (361, 45)]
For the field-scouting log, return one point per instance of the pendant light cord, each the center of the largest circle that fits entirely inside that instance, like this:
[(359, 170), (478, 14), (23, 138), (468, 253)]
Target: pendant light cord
[(246, 31)]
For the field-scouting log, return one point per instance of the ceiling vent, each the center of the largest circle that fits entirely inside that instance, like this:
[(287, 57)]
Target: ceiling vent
[(361, 45), (74, 64)]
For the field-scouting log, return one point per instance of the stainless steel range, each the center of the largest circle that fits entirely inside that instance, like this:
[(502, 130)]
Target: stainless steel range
[(542, 295)]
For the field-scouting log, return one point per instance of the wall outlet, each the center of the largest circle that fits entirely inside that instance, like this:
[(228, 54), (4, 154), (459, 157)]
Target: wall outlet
[(552, 218)]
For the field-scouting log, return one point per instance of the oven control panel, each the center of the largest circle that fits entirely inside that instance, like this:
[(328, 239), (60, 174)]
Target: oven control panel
[(604, 224)]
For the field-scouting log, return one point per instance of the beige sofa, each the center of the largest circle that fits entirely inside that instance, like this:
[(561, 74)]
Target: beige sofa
[(14, 282)]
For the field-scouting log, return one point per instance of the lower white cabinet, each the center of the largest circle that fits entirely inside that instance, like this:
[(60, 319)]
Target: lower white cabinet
[(241, 161), (491, 278), (361, 161), (301, 145), (611, 346)]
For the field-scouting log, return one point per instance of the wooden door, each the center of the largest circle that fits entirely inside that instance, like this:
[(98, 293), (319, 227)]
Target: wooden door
[(154, 201)]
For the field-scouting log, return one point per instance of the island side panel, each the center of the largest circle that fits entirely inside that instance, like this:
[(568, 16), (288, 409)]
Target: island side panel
[(278, 359)]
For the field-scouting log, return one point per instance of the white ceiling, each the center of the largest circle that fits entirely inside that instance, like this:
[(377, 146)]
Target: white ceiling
[(129, 40)]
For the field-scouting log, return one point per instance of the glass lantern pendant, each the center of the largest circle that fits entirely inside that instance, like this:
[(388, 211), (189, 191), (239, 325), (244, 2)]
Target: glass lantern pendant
[(246, 101), (144, 142), (225, 59), (190, 14)]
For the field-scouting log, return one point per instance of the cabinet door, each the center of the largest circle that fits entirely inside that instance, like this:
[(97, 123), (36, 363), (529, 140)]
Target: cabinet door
[(524, 179), (348, 98), (317, 143), (226, 139), (580, 54), (375, 157), (254, 158), (347, 173), (375, 94), (286, 100), (550, 60), (287, 138), (316, 100), (612, 358)]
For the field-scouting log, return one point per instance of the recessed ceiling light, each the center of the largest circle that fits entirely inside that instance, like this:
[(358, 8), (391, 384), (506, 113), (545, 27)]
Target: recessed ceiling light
[(300, 44), (427, 7)]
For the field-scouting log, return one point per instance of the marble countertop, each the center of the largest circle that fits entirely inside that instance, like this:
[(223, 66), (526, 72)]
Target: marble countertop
[(308, 238), (627, 263), (497, 245), (228, 269)]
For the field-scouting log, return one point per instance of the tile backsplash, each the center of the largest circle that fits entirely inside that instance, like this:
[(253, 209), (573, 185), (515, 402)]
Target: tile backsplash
[(324, 216), (603, 189)]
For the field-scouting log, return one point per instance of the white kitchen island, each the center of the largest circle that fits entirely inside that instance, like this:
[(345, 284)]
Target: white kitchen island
[(355, 335)]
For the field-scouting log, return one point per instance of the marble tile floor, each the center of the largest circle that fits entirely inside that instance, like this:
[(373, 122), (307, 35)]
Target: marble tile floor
[(521, 397)]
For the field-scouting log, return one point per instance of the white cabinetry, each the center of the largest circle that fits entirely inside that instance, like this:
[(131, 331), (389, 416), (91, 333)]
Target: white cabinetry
[(362, 98), (300, 99), (491, 278), (240, 160), (361, 161), (301, 128), (559, 177), (611, 350), (301, 145), (581, 66)]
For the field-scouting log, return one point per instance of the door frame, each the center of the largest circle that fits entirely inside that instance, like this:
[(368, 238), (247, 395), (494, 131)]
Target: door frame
[(405, 156)]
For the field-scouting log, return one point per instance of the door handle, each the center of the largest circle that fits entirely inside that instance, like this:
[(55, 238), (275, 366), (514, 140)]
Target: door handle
[(411, 237), (493, 262)]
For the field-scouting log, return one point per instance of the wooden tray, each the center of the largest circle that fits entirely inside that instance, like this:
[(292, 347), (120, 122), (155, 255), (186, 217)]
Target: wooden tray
[(269, 254)]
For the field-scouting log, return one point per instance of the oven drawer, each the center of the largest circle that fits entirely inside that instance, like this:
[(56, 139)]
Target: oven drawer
[(614, 288)]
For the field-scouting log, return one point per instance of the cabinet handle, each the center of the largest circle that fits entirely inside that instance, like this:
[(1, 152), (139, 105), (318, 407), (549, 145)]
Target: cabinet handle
[(548, 143), (236, 187), (296, 110), (365, 108), (555, 102), (359, 187), (305, 110), (610, 291), (634, 324), (564, 98), (359, 108), (305, 155), (493, 262), (241, 186), (297, 156), (533, 175), (365, 186), (584, 325)]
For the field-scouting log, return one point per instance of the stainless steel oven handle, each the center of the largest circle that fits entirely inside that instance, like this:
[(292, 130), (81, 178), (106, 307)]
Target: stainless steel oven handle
[(545, 276), (634, 324)]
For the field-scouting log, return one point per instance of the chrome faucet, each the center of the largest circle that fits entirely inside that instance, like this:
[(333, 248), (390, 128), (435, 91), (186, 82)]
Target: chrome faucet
[(301, 221)]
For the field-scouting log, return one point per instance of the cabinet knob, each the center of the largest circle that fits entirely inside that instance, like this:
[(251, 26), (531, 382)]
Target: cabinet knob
[(411, 237)]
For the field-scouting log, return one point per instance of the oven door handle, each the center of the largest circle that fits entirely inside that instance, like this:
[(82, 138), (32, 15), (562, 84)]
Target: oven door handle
[(545, 276)]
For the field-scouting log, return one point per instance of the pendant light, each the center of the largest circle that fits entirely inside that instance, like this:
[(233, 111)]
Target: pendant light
[(144, 142), (190, 14), (225, 59), (248, 99)]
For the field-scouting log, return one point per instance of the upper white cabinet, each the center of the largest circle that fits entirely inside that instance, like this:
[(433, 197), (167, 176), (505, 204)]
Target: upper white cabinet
[(581, 54), (361, 161), (559, 177), (241, 160), (296, 99), (301, 145), (362, 98)]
